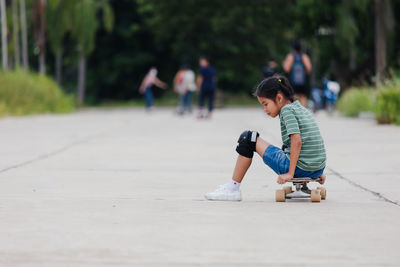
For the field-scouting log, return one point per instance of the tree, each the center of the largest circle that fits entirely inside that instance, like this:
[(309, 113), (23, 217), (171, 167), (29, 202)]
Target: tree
[(84, 28), (383, 26), (59, 18), (4, 49), (238, 35), (40, 33), (17, 51), (24, 34)]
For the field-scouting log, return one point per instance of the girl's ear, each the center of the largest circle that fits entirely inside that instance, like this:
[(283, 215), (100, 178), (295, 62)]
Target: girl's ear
[(279, 98)]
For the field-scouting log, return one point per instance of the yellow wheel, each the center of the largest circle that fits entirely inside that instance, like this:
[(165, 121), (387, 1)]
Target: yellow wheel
[(315, 195), (280, 195), (287, 189), (323, 192)]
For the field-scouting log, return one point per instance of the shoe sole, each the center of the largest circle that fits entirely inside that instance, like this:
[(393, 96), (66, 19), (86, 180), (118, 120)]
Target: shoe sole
[(223, 199)]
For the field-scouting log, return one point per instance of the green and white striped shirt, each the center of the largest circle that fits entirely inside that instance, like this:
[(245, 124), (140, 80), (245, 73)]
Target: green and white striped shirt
[(297, 119)]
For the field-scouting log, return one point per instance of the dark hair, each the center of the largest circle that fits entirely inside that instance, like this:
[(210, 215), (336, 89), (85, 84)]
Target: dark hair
[(184, 66), (271, 86), (296, 46)]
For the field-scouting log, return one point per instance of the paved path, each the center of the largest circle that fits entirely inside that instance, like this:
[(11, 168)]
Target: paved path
[(125, 188)]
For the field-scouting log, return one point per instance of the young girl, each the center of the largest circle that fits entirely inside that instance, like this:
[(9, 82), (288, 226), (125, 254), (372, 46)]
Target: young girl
[(303, 153), (145, 88)]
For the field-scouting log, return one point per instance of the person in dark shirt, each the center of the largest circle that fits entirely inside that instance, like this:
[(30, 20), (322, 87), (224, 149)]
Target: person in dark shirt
[(271, 69), (206, 84)]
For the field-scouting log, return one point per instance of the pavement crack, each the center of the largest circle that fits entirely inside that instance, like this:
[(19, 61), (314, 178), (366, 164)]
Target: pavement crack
[(50, 154), (377, 194)]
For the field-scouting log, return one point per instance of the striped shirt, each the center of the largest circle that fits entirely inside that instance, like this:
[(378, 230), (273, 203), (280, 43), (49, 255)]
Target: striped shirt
[(297, 119)]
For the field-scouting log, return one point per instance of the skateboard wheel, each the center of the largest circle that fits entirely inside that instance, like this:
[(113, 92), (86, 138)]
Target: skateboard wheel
[(323, 192), (287, 189), (315, 195), (280, 195)]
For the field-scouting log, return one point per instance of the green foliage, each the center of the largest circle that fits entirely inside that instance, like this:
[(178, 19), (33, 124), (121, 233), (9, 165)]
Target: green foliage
[(59, 22), (388, 103), (238, 35), (85, 22), (22, 94), (356, 100)]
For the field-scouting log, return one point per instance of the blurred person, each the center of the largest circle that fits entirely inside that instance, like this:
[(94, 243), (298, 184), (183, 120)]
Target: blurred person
[(184, 85), (271, 68), (298, 66), (206, 83), (145, 88), (303, 152)]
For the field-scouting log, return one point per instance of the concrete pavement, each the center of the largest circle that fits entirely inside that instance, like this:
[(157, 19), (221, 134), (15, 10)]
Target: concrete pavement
[(125, 188)]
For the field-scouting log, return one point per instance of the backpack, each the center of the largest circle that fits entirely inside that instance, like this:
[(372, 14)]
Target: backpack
[(298, 72)]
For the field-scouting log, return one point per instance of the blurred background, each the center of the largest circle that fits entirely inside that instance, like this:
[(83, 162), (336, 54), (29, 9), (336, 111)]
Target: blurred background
[(59, 54)]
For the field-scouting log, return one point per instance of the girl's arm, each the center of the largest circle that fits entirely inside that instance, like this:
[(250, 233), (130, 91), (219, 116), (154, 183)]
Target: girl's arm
[(307, 63), (141, 88), (288, 63), (199, 81), (176, 78), (295, 148), (159, 83)]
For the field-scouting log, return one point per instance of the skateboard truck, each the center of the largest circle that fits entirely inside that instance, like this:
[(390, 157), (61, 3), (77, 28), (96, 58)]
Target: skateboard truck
[(302, 191)]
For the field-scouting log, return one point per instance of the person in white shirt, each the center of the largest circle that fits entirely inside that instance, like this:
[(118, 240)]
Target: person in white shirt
[(184, 85)]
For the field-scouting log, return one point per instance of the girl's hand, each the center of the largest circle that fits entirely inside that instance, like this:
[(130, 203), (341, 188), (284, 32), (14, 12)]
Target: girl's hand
[(283, 178)]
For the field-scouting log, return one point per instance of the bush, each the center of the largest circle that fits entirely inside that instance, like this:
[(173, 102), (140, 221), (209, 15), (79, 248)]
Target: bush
[(22, 93), (388, 103), (357, 100)]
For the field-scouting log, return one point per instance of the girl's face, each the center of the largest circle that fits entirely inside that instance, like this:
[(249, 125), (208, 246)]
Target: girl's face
[(272, 108)]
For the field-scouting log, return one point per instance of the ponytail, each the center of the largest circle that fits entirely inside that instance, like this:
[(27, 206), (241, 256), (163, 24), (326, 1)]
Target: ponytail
[(271, 86)]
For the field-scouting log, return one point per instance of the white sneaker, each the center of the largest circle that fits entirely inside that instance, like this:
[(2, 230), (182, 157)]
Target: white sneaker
[(224, 193)]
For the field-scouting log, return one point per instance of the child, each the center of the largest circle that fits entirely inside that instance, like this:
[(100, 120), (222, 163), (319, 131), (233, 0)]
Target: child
[(145, 88), (184, 85), (303, 153)]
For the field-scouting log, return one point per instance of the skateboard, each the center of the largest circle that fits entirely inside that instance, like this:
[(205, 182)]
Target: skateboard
[(302, 191)]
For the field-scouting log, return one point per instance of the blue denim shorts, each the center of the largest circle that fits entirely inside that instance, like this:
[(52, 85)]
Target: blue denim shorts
[(275, 158)]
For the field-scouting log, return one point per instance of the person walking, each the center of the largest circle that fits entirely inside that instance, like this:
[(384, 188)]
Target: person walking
[(145, 88), (298, 66), (184, 85), (207, 84)]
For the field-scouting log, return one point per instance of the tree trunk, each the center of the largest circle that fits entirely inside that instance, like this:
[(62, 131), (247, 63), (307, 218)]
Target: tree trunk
[(59, 67), (17, 52), (42, 37), (4, 49), (24, 34), (81, 79), (380, 41)]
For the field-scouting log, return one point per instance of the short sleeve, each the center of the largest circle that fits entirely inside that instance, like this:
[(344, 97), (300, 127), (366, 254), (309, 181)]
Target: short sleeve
[(289, 120)]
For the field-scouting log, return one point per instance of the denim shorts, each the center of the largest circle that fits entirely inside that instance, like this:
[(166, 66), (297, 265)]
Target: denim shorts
[(275, 158)]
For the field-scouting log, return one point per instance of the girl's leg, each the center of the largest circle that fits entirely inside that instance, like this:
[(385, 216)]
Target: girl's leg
[(261, 146), (243, 163), (189, 101), (231, 191), (201, 104), (241, 167), (211, 98), (149, 97), (181, 106)]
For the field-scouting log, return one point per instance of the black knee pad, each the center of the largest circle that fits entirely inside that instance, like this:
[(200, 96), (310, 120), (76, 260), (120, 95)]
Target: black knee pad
[(247, 143)]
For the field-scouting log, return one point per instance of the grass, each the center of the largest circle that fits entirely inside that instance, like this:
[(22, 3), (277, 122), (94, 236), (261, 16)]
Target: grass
[(22, 94)]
